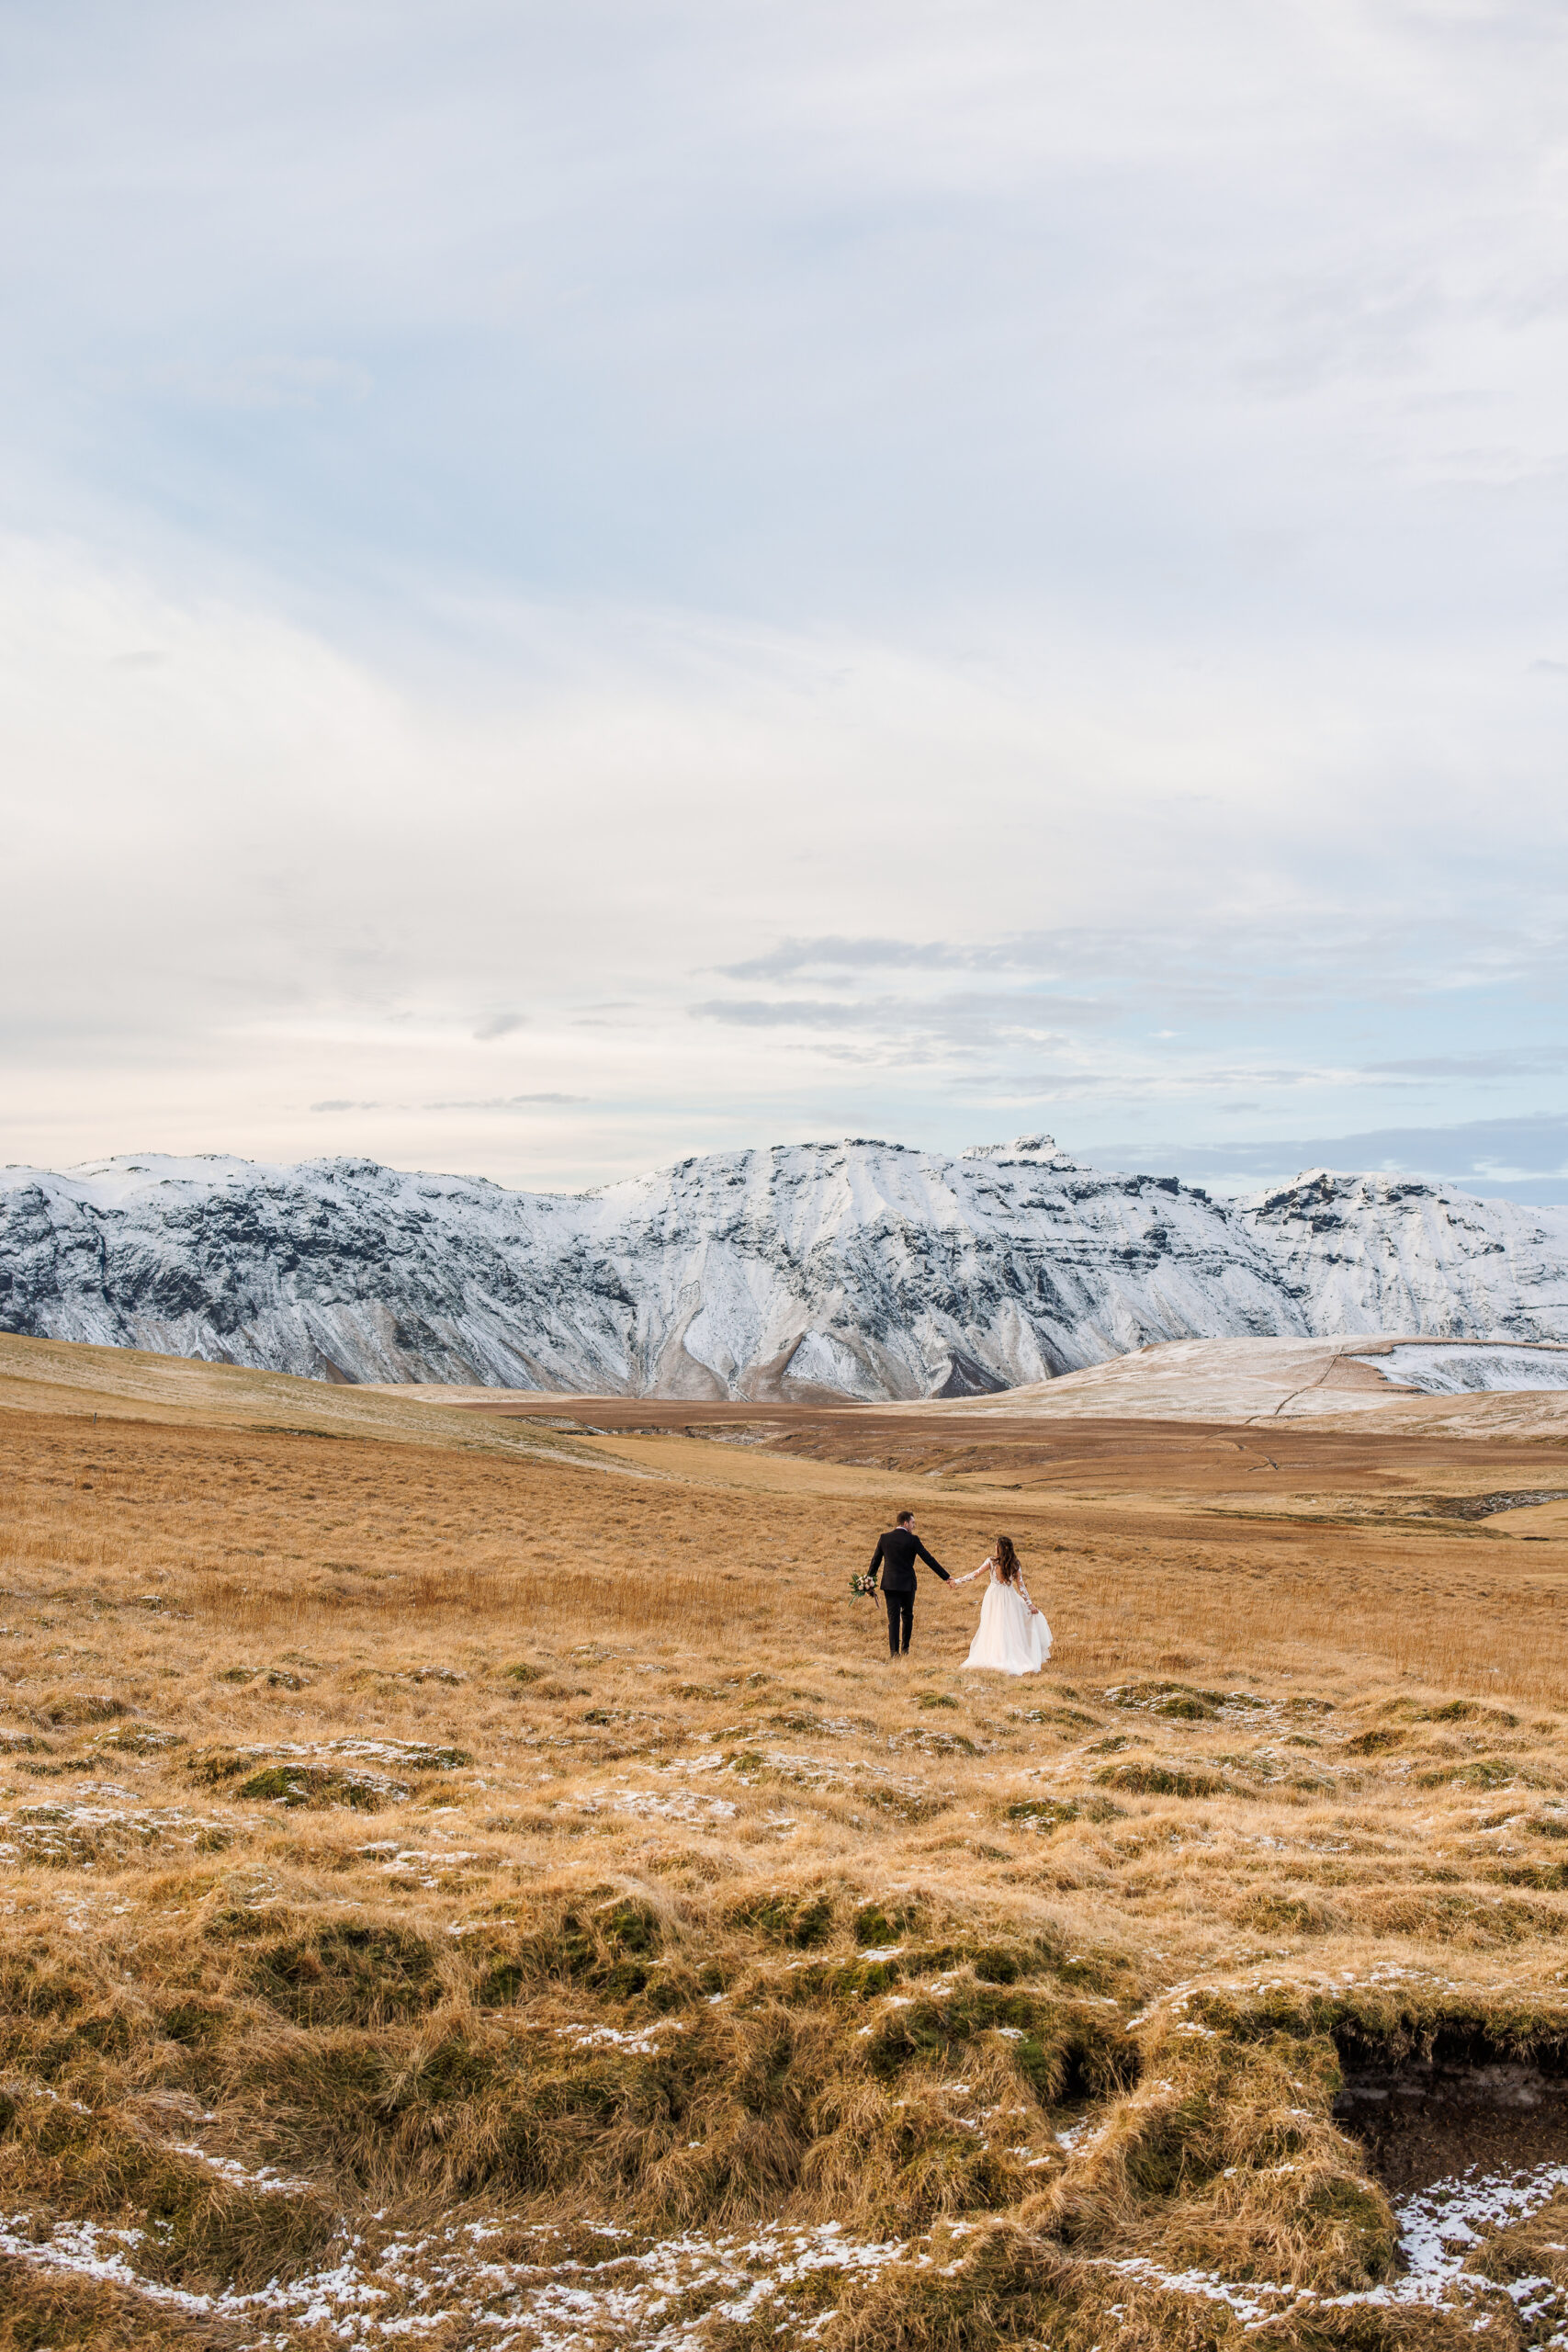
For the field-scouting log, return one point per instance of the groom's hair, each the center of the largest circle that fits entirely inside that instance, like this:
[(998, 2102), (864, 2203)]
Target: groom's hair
[(903, 1519)]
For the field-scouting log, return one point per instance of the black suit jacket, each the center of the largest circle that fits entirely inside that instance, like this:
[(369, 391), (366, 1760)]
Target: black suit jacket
[(896, 1555)]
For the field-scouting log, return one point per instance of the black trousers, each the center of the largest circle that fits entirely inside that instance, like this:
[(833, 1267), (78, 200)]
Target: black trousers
[(901, 1618)]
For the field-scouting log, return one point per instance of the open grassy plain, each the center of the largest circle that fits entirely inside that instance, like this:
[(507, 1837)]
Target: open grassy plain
[(471, 1881)]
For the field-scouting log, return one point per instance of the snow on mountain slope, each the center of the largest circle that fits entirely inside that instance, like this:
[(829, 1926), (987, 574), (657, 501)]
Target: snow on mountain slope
[(860, 1268), (869, 1270), (1391, 1253), (1455, 1368)]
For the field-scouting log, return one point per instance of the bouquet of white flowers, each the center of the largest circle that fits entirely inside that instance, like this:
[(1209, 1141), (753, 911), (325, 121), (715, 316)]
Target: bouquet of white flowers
[(863, 1586)]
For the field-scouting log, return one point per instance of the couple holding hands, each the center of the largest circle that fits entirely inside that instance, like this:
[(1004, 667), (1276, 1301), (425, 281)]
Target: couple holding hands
[(1012, 1636)]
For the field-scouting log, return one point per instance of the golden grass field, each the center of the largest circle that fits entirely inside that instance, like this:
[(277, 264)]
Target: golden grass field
[(473, 1883)]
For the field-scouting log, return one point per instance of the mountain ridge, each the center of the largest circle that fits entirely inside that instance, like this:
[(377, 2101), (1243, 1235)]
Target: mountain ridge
[(857, 1268)]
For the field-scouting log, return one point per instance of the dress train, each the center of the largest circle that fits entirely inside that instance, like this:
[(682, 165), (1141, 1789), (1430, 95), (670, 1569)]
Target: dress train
[(1012, 1638)]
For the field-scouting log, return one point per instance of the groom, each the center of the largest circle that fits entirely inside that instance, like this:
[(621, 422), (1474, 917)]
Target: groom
[(896, 1555)]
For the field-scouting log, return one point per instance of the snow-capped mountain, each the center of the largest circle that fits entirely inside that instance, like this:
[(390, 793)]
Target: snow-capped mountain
[(859, 1269), (1391, 1253)]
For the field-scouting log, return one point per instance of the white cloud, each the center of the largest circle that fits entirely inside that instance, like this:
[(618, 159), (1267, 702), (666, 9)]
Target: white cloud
[(258, 886), (1013, 553)]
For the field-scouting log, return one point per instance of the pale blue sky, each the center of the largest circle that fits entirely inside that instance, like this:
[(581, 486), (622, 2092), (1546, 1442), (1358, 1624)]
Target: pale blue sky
[(580, 585)]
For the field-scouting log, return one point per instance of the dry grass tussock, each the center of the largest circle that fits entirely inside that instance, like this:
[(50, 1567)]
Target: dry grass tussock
[(460, 1896)]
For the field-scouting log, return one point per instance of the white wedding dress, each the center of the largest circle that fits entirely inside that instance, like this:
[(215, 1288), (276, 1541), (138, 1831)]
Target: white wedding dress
[(1010, 1638)]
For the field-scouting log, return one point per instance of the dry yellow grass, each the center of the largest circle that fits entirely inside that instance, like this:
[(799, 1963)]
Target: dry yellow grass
[(409, 1832)]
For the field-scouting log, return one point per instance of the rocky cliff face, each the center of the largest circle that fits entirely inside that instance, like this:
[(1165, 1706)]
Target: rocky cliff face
[(860, 1269)]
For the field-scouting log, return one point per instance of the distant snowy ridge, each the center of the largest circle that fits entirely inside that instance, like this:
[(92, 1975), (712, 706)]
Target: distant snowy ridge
[(859, 1269)]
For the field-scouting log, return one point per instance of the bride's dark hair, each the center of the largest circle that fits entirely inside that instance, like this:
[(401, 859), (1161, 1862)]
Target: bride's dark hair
[(1006, 1559)]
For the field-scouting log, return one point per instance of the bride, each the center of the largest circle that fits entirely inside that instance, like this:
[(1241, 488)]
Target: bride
[(1012, 1636)]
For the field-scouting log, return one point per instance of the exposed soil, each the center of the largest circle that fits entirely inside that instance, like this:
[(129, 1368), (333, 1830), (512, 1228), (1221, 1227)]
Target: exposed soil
[(1425, 2120)]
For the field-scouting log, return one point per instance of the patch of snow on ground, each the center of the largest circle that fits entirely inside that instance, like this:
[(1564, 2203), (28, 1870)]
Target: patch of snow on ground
[(413, 2284), (687, 1807), (609, 2037), (417, 1862), (280, 2184), (1460, 1368), (1439, 2228)]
